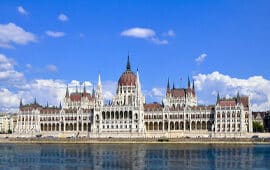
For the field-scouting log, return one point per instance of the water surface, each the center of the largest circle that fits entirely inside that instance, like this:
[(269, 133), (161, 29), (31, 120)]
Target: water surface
[(133, 156)]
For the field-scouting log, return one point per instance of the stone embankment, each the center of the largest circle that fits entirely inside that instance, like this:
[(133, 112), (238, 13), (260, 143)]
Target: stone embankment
[(227, 141)]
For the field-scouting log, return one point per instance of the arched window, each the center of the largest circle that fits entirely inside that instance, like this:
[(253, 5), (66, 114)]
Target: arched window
[(136, 116)]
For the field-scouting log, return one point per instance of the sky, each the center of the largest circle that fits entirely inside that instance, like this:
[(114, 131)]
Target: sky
[(222, 45)]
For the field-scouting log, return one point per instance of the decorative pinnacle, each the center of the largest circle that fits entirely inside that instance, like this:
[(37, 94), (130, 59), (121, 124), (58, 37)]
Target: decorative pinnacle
[(128, 64)]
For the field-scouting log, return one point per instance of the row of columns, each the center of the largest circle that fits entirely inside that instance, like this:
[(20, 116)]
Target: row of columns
[(188, 125), (65, 127)]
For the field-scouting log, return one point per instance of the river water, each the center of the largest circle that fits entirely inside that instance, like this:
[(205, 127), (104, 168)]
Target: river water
[(133, 156)]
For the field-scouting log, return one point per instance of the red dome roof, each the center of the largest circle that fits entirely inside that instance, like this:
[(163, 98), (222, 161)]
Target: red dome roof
[(128, 78)]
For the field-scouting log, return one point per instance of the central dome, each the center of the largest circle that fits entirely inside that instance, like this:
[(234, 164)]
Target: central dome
[(128, 78)]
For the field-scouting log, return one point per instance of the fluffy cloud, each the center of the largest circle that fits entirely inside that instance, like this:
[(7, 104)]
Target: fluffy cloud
[(21, 10), (8, 100), (257, 87), (11, 33), (28, 66), (109, 89), (55, 34), (8, 75), (51, 68), (14, 86), (62, 17), (169, 33), (143, 33), (44, 90), (138, 32), (201, 58), (156, 94)]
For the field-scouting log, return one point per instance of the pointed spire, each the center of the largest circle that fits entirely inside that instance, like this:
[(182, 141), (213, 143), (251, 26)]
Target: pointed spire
[(173, 86), (60, 105), (168, 84), (67, 92), (84, 88), (76, 89), (128, 64), (99, 80), (218, 98), (193, 85), (138, 81), (168, 87), (35, 100), (47, 105), (21, 104), (188, 82), (238, 97), (99, 96), (99, 87), (93, 92)]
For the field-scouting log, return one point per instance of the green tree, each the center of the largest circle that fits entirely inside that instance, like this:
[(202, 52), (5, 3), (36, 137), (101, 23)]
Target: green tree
[(257, 127)]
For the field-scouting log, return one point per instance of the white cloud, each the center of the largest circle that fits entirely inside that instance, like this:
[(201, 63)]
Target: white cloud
[(11, 33), (5, 45), (139, 32), (21, 10), (109, 89), (8, 75), (55, 34), (28, 66), (14, 86), (201, 58), (62, 17), (51, 68), (159, 92), (156, 94), (158, 41), (169, 33), (44, 90), (87, 83), (9, 101), (257, 87), (143, 33)]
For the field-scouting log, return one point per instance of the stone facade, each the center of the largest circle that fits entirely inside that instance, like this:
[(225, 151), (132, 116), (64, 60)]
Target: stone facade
[(128, 116), (6, 123)]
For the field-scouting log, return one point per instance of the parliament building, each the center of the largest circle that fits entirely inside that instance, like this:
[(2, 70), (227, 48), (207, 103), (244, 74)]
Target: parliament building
[(127, 115)]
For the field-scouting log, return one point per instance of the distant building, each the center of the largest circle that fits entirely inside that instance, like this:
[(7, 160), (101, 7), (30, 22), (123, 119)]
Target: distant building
[(267, 121), (6, 123), (233, 115), (127, 115), (258, 117)]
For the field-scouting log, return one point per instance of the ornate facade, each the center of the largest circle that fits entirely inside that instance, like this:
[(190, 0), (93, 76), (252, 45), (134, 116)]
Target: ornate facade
[(128, 116)]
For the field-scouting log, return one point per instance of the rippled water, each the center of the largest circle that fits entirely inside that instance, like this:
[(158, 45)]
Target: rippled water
[(133, 156)]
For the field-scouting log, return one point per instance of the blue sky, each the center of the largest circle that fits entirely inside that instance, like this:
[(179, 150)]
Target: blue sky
[(232, 38)]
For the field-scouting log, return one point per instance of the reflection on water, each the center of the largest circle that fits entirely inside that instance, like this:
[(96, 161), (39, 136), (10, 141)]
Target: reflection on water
[(133, 156)]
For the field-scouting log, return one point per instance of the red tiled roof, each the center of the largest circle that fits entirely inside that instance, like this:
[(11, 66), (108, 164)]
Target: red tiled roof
[(152, 107), (128, 78), (78, 96), (227, 102), (233, 101), (30, 107), (181, 92), (50, 110), (178, 92), (245, 101)]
